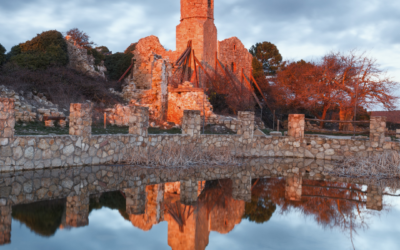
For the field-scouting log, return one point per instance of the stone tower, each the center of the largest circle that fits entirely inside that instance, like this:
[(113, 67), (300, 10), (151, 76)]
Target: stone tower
[(197, 24)]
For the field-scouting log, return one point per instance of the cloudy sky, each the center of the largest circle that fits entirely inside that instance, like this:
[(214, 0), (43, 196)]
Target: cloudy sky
[(304, 29)]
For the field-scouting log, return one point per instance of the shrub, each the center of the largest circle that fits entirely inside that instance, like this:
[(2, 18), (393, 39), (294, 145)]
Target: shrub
[(117, 64), (2, 54), (98, 56), (48, 48), (103, 49), (130, 49)]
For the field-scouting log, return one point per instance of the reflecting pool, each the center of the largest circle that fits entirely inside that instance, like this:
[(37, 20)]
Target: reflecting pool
[(266, 204)]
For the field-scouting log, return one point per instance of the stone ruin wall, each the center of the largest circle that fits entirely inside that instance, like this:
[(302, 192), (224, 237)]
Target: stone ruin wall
[(185, 97), (82, 62), (147, 51), (231, 51)]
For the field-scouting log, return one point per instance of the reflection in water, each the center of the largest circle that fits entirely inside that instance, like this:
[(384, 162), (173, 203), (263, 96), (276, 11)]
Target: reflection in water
[(194, 209)]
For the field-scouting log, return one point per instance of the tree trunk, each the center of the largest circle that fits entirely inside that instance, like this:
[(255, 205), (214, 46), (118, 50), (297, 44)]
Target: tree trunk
[(345, 114), (323, 116)]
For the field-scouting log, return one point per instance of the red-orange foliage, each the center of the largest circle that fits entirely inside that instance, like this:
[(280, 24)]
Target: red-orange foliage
[(337, 81)]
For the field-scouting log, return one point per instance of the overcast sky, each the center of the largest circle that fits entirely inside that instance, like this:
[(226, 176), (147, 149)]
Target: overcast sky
[(304, 29)]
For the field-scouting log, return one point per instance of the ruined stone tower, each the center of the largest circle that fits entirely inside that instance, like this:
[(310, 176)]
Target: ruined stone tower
[(197, 24)]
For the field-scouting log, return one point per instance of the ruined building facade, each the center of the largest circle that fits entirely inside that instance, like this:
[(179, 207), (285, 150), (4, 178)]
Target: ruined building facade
[(147, 83)]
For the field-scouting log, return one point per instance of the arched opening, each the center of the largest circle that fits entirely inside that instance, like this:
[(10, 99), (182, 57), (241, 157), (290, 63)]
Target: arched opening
[(234, 47), (209, 3)]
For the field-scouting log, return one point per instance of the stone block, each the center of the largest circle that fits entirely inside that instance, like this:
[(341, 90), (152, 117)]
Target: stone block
[(80, 119), (191, 122), (7, 117), (377, 130), (246, 125), (296, 125)]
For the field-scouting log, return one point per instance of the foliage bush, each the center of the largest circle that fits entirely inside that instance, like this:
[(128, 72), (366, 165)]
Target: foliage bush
[(2, 54), (46, 49), (98, 56), (103, 49), (130, 49), (117, 64)]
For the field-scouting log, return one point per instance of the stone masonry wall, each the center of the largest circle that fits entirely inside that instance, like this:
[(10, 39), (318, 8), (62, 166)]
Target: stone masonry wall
[(246, 127), (231, 51), (40, 152), (138, 120), (191, 123), (7, 119), (296, 126), (377, 130), (80, 119)]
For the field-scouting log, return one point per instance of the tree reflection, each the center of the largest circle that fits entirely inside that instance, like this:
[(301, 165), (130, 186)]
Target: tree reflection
[(261, 207), (43, 218)]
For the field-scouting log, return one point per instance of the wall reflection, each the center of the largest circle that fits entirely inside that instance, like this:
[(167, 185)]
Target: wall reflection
[(194, 209)]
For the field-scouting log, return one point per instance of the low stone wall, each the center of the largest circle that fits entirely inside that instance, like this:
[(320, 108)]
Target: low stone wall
[(81, 148)]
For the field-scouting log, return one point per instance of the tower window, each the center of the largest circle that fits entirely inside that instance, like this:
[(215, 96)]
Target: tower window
[(234, 47), (209, 3), (233, 67)]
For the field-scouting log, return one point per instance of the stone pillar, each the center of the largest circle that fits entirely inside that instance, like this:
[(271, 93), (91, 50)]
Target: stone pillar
[(296, 126), (5, 223), (293, 188), (77, 210), (246, 126), (135, 200), (191, 122), (188, 192), (374, 198), (160, 202), (80, 119), (138, 121), (7, 117), (241, 188), (377, 131)]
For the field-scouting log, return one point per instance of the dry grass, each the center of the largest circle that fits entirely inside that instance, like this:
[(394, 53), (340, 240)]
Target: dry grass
[(175, 155), (384, 165)]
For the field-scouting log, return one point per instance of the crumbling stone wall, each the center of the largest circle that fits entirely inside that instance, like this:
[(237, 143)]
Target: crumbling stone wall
[(147, 51), (185, 97), (82, 62), (233, 54)]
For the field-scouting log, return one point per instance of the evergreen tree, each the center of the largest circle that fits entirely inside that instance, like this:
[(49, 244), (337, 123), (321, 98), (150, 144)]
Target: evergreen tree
[(268, 55)]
